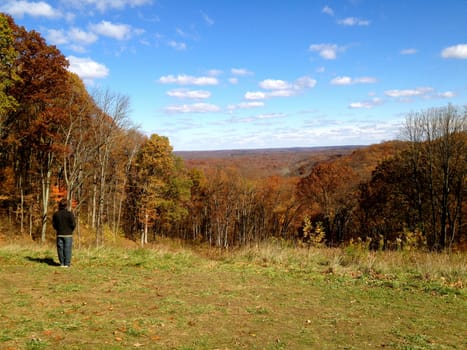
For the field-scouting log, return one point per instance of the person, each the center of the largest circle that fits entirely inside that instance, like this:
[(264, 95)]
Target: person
[(63, 222)]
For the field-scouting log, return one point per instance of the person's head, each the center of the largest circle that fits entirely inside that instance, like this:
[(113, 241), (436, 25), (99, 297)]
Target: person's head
[(62, 204)]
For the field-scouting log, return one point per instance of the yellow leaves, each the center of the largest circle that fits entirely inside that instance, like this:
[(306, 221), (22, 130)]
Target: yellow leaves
[(458, 284), (453, 284), (314, 234)]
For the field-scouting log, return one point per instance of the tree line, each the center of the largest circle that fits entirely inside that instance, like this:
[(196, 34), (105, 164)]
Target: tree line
[(59, 140)]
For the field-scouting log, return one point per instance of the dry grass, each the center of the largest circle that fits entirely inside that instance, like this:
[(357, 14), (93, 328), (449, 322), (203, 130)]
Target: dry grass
[(352, 261), (272, 296)]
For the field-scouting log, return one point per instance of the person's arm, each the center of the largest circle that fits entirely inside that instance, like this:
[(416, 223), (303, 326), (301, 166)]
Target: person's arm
[(54, 221), (72, 221)]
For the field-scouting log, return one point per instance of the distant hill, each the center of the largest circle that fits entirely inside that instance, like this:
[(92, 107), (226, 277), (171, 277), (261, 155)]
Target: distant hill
[(256, 163), (365, 159)]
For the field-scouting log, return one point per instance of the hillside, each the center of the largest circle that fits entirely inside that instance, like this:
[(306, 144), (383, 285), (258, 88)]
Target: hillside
[(287, 162), (257, 163), (270, 297)]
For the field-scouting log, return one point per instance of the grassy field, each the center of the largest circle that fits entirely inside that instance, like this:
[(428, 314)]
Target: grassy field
[(268, 297)]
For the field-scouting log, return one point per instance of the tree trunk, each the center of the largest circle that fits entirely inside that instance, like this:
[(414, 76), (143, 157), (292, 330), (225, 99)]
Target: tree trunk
[(144, 233), (21, 208), (45, 182)]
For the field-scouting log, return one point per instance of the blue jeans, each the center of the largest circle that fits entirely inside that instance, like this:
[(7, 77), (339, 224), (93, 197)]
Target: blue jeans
[(64, 245)]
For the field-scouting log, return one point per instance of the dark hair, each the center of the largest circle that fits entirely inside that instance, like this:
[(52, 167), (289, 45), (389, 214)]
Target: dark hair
[(62, 204)]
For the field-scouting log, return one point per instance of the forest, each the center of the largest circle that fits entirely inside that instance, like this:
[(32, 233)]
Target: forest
[(59, 140)]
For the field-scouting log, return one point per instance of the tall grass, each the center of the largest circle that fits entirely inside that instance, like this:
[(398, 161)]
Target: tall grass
[(273, 295), (357, 261)]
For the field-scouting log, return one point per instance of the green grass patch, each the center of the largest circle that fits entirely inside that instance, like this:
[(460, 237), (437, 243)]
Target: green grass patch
[(268, 297)]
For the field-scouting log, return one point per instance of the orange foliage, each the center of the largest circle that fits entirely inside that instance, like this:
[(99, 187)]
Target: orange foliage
[(262, 163), (58, 193)]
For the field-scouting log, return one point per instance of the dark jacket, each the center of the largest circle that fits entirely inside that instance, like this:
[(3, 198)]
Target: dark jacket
[(63, 222)]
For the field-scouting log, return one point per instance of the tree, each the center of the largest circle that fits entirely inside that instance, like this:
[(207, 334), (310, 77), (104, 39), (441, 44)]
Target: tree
[(125, 155), (32, 128), (327, 193), (8, 103), (277, 208), (75, 134), (438, 159), (78, 150), (110, 118), (421, 190), (197, 219), (157, 189), (8, 74), (388, 203), (223, 190)]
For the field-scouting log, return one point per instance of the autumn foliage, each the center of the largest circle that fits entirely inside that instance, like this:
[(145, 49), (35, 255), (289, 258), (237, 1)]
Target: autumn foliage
[(57, 140)]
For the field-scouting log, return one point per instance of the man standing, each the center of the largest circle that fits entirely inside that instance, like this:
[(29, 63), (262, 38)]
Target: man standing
[(63, 222)]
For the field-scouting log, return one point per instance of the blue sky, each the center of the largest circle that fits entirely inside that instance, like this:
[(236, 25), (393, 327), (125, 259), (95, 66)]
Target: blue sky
[(234, 74)]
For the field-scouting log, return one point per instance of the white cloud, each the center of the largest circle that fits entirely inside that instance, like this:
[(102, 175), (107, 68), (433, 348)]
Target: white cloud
[(181, 32), (81, 36), (270, 115), (189, 94), (341, 81), (240, 71), (271, 84), (409, 51), (193, 108), (208, 20), (75, 38), (345, 80), (103, 5), (251, 104), (304, 82), (31, 8), (366, 104), (215, 72), (256, 95), (456, 51), (192, 35), (282, 93), (246, 105), (327, 51), (177, 45), (188, 80), (111, 30), (57, 37), (260, 95), (405, 93), (421, 92), (281, 85), (365, 80), (281, 88), (87, 69), (353, 21), (447, 94), (358, 105), (327, 10), (233, 81)]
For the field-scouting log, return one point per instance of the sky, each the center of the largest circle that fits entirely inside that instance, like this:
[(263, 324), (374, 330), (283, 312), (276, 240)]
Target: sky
[(249, 74)]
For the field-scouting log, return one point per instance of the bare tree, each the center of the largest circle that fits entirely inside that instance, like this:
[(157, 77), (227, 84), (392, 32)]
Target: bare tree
[(438, 139), (110, 119)]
